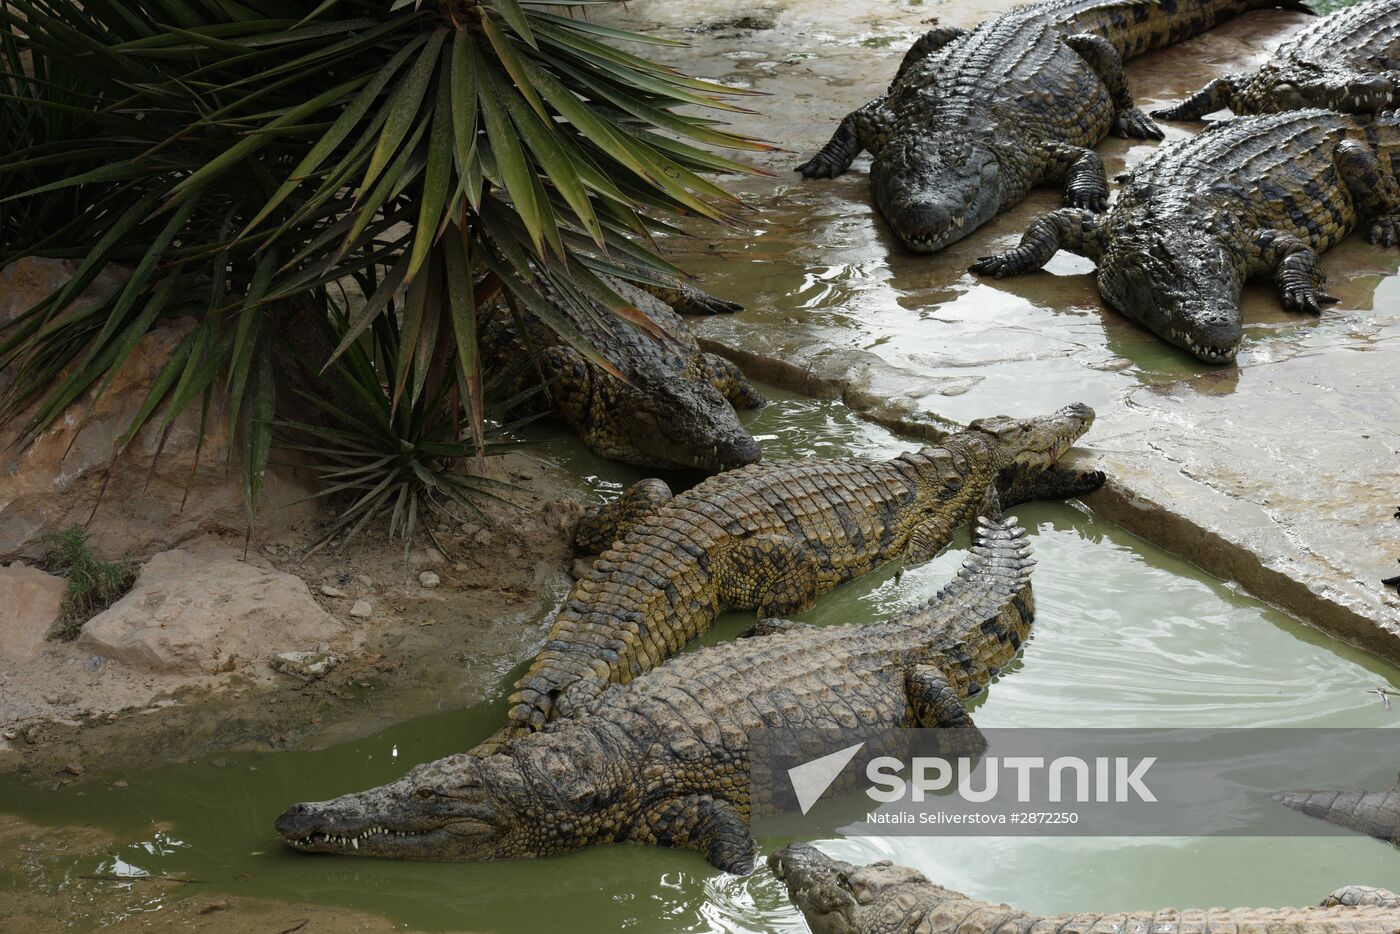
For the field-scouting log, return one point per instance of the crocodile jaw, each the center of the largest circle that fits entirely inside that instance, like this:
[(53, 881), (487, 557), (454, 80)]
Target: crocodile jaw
[(1034, 443), (933, 191)]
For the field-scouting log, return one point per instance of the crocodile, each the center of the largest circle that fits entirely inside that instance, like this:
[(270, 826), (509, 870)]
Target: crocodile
[(1250, 196), (1374, 813), (975, 119), (772, 537), (837, 897), (665, 759), (674, 406), (1347, 62)]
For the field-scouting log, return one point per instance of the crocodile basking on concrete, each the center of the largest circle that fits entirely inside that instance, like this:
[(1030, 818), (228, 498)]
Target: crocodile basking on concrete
[(840, 898), (974, 120), (665, 759), (773, 537), (1247, 197), (676, 408), (1347, 62)]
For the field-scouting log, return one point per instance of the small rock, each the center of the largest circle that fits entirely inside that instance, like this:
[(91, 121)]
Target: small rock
[(364, 580), (581, 568), (212, 907), (362, 609), (73, 768), (32, 606), (429, 579), (9, 735), (460, 568), (305, 665), (330, 591), (94, 663), (220, 763), (119, 783), (111, 717), (270, 549)]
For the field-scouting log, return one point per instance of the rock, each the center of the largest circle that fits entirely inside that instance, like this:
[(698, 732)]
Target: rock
[(364, 580), (580, 568), (305, 665), (32, 605), (191, 614), (362, 609), (150, 502), (330, 591), (73, 768), (429, 580)]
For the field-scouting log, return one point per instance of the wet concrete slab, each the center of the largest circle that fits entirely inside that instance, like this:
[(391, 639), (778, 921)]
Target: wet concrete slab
[(1281, 472)]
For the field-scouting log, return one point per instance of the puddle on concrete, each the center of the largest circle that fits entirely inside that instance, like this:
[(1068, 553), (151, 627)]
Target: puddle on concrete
[(1126, 635)]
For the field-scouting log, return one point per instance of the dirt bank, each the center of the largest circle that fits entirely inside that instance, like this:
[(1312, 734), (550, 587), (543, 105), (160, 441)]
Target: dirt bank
[(421, 648)]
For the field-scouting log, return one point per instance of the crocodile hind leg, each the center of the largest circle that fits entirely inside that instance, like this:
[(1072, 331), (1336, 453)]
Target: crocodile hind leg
[(1104, 59), (1298, 274), (771, 571), (1079, 170), (1218, 94), (930, 42), (935, 703), (699, 822), (731, 383), (600, 527), (1375, 191), (865, 128), (1073, 229)]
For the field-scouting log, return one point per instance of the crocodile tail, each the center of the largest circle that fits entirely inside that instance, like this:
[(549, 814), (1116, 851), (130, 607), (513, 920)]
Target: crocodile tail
[(997, 573), (1375, 813)]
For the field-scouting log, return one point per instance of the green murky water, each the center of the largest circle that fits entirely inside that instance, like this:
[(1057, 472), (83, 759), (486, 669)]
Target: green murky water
[(1125, 635)]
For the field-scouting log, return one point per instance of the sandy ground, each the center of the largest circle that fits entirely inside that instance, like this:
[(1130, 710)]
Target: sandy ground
[(423, 650), (1280, 473), (41, 899)]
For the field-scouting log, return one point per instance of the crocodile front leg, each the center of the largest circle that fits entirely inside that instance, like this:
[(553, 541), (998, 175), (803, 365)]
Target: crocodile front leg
[(1218, 94), (771, 572), (599, 528), (731, 382), (1105, 61), (1297, 272), (865, 128), (1080, 170), (1073, 229), (700, 822), (1375, 191)]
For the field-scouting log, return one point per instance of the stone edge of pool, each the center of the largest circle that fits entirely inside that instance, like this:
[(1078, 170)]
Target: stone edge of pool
[(1225, 536)]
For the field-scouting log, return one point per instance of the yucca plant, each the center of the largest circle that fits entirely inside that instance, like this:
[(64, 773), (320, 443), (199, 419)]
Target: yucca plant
[(382, 457), (244, 155)]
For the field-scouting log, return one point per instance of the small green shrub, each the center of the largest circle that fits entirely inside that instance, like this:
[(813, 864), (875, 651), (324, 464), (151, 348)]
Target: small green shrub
[(93, 584)]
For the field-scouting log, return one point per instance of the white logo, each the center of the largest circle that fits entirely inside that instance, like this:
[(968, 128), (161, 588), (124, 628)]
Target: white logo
[(811, 779)]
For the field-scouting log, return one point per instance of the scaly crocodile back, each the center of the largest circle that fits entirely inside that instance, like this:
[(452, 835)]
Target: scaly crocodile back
[(657, 589), (1275, 171)]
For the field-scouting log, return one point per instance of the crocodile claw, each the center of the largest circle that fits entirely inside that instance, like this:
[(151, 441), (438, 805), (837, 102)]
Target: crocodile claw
[(999, 265), (1385, 231), (819, 167), (1174, 114), (1094, 201), (1134, 124), (1307, 299)]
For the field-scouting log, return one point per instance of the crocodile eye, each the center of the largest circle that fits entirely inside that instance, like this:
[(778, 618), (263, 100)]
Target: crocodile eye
[(425, 793)]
